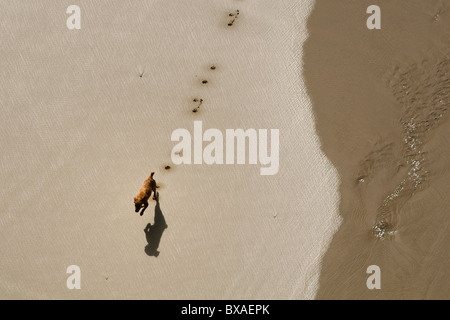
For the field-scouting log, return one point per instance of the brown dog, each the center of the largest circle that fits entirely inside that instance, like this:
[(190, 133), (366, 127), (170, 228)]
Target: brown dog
[(142, 198)]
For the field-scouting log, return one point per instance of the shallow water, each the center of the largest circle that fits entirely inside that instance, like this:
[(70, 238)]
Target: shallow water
[(380, 99)]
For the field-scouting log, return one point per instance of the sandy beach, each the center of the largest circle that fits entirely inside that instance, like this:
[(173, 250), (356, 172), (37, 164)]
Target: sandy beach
[(361, 177), (88, 113)]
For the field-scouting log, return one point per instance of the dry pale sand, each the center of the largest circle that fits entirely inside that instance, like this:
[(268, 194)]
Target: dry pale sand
[(381, 100), (81, 130)]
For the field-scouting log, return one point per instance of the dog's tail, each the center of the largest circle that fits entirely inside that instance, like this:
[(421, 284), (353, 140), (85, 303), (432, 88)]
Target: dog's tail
[(152, 173)]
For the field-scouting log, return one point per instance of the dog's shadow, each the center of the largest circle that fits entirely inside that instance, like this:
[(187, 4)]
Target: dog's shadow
[(153, 233)]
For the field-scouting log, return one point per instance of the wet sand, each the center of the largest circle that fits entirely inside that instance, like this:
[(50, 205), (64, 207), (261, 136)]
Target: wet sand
[(381, 100)]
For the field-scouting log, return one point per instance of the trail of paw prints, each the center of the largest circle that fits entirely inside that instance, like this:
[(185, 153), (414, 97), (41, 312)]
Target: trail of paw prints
[(197, 100), (204, 81)]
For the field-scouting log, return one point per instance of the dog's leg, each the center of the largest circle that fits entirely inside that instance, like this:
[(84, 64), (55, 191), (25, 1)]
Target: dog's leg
[(145, 207), (154, 193)]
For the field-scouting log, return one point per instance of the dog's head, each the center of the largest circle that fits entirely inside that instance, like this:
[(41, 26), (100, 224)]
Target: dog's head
[(137, 204)]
